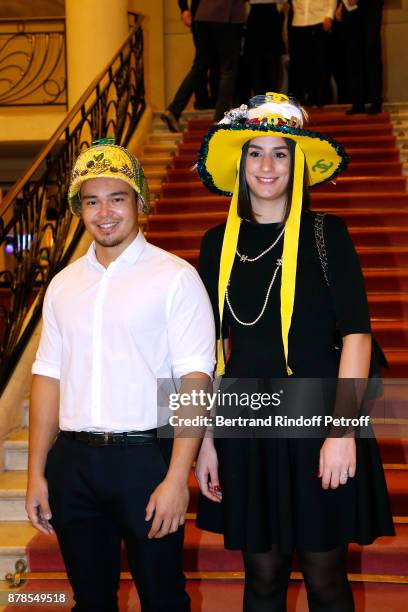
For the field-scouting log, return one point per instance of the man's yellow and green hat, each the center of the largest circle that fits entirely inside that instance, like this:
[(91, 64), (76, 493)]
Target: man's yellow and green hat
[(219, 158), (104, 159)]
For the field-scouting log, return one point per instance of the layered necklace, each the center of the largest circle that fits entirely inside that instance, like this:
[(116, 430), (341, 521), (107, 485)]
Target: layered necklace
[(246, 259)]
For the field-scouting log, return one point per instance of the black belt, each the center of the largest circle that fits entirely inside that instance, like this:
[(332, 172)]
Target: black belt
[(109, 438)]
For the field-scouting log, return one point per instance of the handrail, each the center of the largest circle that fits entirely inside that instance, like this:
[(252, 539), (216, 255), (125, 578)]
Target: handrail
[(31, 19), (35, 221)]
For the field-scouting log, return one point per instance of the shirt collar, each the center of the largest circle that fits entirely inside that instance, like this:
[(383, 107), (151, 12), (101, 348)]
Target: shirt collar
[(130, 255)]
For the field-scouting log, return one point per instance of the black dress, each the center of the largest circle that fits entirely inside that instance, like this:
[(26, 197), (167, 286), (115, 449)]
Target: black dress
[(271, 492)]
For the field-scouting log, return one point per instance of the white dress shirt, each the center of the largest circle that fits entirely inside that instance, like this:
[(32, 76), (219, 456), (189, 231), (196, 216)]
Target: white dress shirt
[(109, 334), (312, 12)]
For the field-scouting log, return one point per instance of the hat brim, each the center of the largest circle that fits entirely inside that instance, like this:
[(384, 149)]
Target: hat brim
[(220, 150)]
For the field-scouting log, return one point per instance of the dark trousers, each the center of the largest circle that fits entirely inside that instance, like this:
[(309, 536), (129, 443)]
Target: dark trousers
[(98, 498), (222, 39), (263, 50), (362, 51), (204, 97), (309, 72)]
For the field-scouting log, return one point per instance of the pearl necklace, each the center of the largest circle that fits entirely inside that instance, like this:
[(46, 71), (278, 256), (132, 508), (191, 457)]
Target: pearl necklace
[(250, 323), (245, 258)]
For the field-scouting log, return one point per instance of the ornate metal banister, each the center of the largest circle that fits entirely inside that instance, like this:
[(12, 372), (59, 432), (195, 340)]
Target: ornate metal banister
[(37, 231), (32, 61)]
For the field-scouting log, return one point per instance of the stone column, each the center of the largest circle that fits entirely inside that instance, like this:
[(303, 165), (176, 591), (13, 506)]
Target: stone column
[(96, 29)]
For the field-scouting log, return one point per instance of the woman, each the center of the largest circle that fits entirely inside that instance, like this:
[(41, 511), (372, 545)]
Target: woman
[(283, 309)]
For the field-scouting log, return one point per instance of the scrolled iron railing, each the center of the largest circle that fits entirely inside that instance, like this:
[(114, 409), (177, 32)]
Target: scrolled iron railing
[(33, 61), (38, 233)]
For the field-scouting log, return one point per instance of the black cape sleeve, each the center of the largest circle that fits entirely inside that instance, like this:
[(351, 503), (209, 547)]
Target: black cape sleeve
[(209, 267)]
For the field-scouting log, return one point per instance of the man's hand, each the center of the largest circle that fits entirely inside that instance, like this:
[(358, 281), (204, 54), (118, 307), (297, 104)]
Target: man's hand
[(353, 2), (37, 506), (187, 19), (327, 24), (207, 471), (337, 458), (168, 503)]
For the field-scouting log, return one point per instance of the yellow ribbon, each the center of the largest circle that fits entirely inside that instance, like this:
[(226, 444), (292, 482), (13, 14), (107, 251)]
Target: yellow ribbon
[(290, 252), (229, 247), (289, 257)]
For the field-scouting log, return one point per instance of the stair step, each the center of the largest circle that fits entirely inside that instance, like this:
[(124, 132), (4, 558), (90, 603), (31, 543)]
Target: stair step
[(12, 495), (388, 304), (15, 451), (164, 138), (393, 333), (14, 537), (155, 175), (159, 149), (156, 161)]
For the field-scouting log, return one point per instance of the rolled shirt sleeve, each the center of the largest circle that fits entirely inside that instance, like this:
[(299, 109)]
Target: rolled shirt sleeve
[(331, 8), (191, 330), (48, 357)]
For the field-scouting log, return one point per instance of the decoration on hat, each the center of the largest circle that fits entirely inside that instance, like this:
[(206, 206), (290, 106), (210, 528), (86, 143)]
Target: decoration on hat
[(104, 159)]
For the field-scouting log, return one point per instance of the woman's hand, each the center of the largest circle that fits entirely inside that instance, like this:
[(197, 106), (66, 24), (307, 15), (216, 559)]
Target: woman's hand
[(337, 461), (207, 471)]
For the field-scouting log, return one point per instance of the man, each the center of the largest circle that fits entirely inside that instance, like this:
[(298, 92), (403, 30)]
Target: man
[(114, 321), (218, 28), (361, 21)]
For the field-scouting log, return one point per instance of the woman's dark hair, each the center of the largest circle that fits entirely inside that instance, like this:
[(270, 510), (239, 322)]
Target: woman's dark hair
[(244, 199)]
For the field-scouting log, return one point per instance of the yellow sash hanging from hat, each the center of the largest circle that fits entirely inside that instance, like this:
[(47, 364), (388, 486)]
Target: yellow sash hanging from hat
[(290, 252), (229, 247), (289, 257)]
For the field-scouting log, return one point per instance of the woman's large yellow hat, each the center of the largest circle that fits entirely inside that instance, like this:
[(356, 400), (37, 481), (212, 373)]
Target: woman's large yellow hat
[(218, 164), (277, 115)]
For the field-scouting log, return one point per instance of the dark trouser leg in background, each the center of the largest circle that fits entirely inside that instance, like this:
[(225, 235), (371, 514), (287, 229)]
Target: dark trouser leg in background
[(263, 49), (198, 73), (299, 55), (266, 581), (353, 52), (325, 576), (371, 22), (227, 38)]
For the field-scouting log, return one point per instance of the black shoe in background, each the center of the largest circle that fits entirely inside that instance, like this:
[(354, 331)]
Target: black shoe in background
[(374, 109), (356, 109), (171, 121)]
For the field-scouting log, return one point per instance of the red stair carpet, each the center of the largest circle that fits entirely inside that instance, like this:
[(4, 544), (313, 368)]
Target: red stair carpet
[(372, 198)]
